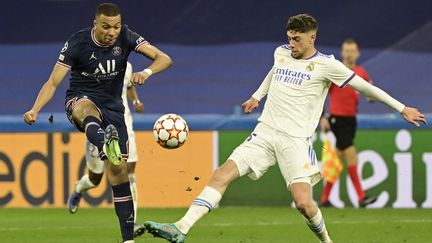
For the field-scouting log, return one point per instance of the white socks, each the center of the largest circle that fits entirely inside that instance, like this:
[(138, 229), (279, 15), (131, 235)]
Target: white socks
[(317, 225), (132, 182), (205, 201), (84, 184)]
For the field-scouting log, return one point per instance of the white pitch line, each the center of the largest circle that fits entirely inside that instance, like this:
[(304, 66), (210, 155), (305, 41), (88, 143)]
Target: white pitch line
[(407, 221)]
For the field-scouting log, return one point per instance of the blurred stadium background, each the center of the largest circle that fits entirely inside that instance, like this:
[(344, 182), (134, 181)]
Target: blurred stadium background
[(221, 52)]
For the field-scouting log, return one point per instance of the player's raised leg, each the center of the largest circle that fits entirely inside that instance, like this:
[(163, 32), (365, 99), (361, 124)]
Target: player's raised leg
[(203, 204), (86, 116), (302, 196)]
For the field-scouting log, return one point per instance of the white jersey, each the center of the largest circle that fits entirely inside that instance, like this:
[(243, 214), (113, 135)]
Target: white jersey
[(296, 90), (126, 84)]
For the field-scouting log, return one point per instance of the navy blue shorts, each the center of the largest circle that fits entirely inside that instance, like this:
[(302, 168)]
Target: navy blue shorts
[(109, 116)]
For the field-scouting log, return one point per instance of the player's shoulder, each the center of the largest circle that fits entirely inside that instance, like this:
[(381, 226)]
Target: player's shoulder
[(126, 31), (125, 27), (79, 37), (322, 56), (325, 59), (74, 42), (283, 50), (81, 34)]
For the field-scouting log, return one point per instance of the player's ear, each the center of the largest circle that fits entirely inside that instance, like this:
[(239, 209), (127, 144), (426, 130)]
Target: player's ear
[(94, 23), (313, 37)]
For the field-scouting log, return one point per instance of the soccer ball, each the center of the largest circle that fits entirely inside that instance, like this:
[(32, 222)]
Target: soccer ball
[(170, 131)]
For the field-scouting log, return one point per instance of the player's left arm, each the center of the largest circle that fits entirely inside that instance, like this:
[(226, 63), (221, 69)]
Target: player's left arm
[(411, 115), (161, 61)]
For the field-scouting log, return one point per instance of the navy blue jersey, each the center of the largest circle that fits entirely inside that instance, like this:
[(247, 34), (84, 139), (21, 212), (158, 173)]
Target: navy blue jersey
[(97, 71)]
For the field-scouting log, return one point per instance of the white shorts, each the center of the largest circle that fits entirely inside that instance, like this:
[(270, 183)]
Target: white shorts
[(132, 147), (96, 165), (266, 146)]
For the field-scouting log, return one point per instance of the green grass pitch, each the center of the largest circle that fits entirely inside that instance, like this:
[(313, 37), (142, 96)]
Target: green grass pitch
[(223, 225)]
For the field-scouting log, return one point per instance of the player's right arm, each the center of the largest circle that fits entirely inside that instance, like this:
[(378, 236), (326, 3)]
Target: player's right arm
[(46, 93)]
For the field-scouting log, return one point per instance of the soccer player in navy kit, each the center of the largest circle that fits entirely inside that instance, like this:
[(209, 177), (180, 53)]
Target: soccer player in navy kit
[(97, 59)]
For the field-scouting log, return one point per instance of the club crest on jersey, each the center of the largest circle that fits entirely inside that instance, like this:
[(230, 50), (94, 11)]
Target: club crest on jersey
[(116, 51), (310, 67)]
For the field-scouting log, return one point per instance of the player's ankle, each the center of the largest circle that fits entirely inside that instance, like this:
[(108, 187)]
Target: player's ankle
[(183, 226)]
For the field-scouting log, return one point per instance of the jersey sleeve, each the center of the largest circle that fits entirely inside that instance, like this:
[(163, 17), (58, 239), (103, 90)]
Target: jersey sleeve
[(68, 52), (338, 73), (135, 41)]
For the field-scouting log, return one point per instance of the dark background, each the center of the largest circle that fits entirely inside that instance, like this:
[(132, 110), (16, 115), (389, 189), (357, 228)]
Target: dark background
[(221, 49)]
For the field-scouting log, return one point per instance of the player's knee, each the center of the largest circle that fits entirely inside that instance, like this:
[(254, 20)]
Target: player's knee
[(304, 206), (95, 178), (83, 110)]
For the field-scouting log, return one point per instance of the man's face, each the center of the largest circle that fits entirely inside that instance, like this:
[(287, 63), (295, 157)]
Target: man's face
[(107, 28), (300, 43), (350, 53)]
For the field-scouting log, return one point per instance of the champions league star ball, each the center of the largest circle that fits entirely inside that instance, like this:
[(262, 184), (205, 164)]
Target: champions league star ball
[(170, 131)]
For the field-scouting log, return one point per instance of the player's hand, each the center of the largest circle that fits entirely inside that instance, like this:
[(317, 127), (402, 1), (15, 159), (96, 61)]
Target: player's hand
[(139, 78), (30, 117), (139, 106), (250, 105), (324, 124), (413, 116)]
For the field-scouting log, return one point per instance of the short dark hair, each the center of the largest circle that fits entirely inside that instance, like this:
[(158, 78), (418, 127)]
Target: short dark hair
[(108, 9), (351, 41), (301, 23)]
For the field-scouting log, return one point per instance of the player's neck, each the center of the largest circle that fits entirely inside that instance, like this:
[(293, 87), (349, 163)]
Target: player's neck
[(309, 54)]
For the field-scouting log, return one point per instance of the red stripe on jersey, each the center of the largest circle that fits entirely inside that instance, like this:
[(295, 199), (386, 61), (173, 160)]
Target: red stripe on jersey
[(63, 65), (140, 44), (122, 199)]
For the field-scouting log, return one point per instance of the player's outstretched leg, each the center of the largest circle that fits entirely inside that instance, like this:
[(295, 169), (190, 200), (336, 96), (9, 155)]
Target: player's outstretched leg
[(112, 147), (206, 200), (301, 193)]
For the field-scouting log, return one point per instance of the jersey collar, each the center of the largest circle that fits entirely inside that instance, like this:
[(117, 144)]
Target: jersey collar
[(93, 35), (314, 55)]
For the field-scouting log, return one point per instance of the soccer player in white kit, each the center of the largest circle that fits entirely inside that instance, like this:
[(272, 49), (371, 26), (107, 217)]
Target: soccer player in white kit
[(296, 88), (96, 165)]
